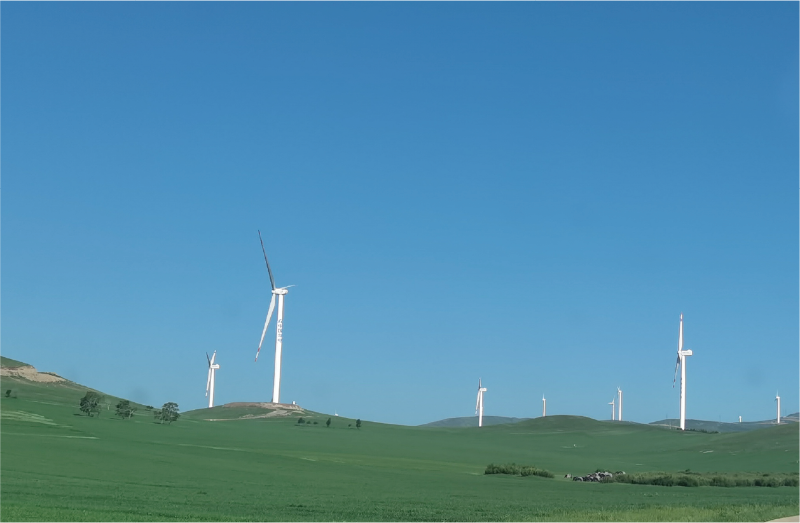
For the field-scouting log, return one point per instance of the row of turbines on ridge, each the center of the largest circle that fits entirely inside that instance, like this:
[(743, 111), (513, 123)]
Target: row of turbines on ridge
[(280, 292)]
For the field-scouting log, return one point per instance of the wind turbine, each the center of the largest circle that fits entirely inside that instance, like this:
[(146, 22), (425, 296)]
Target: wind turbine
[(212, 368), (280, 292), (612, 409), (778, 399), (619, 393), (479, 404), (544, 406), (682, 362)]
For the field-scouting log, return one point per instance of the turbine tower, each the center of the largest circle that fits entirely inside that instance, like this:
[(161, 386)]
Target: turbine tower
[(544, 406), (682, 362), (212, 368), (612, 409), (778, 399), (479, 404), (280, 292), (619, 393)]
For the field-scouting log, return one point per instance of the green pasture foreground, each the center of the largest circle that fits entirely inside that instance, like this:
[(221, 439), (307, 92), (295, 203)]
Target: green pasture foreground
[(58, 465)]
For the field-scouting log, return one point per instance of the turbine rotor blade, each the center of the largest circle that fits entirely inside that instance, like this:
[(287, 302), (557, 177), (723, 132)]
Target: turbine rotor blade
[(208, 383), (213, 357), (271, 279), (209, 359), (677, 363), (266, 324)]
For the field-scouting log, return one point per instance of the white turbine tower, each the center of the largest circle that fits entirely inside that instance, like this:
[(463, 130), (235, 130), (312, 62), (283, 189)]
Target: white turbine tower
[(778, 399), (619, 393), (479, 404), (682, 362), (212, 368), (544, 406), (280, 292), (612, 409)]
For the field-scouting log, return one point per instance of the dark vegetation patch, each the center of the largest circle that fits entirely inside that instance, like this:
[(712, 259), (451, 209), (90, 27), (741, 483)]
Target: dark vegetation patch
[(706, 479), (517, 470)]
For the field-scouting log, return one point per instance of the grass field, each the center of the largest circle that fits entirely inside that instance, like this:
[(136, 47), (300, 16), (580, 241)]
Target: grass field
[(60, 465)]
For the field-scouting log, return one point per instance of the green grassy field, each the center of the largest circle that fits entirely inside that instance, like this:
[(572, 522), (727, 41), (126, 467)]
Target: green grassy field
[(60, 465)]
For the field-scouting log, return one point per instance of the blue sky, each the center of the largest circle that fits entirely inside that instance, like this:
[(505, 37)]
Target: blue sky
[(527, 193)]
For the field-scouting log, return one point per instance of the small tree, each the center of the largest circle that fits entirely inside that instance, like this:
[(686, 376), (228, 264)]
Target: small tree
[(8, 393), (300, 421), (358, 423), (169, 412), (90, 403), (124, 409), (328, 423)]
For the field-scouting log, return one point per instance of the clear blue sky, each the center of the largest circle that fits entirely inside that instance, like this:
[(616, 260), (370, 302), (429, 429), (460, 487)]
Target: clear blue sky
[(527, 193)]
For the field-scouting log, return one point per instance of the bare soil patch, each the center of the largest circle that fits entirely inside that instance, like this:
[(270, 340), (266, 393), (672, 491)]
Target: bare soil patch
[(31, 374)]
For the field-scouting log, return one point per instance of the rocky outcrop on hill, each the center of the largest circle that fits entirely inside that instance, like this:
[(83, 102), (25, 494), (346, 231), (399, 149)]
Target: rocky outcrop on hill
[(596, 476), (31, 374)]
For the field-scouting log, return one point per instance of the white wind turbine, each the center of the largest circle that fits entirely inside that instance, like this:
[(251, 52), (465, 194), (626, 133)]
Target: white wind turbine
[(778, 399), (619, 393), (544, 406), (612, 409), (479, 404), (212, 368), (280, 292), (682, 362)]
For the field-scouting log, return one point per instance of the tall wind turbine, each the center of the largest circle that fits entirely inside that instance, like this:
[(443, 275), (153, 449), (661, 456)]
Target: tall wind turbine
[(619, 393), (212, 368), (479, 404), (612, 409), (682, 362), (778, 399), (280, 292), (544, 406)]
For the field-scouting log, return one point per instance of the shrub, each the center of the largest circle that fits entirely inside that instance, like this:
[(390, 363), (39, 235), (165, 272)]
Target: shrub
[(300, 421), (517, 470)]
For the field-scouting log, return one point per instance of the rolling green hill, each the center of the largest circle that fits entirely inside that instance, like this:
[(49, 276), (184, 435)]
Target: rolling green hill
[(472, 421), (274, 469)]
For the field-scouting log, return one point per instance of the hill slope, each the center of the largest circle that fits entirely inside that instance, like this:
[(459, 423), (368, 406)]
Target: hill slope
[(472, 421)]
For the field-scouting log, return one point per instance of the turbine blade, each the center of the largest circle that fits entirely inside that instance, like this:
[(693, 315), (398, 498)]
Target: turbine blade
[(213, 357), (209, 359), (478, 402), (208, 383), (266, 324), (271, 279), (677, 363)]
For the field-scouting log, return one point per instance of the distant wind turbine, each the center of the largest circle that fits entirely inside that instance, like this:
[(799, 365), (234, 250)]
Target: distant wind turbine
[(619, 393), (544, 406), (479, 404), (778, 399), (280, 292), (212, 370), (612, 409), (682, 363)]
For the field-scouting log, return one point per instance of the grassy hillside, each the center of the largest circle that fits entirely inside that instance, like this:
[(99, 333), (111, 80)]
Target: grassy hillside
[(272, 469), (693, 424), (8, 362), (472, 421)]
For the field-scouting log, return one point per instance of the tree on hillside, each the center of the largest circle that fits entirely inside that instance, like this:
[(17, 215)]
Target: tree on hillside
[(358, 423), (169, 412), (124, 409), (90, 403), (328, 423)]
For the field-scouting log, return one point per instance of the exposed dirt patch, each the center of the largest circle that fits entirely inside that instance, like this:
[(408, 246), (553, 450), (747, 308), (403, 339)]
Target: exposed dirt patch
[(265, 405), (277, 410), (31, 374)]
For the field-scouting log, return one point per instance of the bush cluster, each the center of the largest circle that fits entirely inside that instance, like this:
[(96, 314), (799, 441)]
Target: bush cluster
[(517, 470), (711, 480)]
